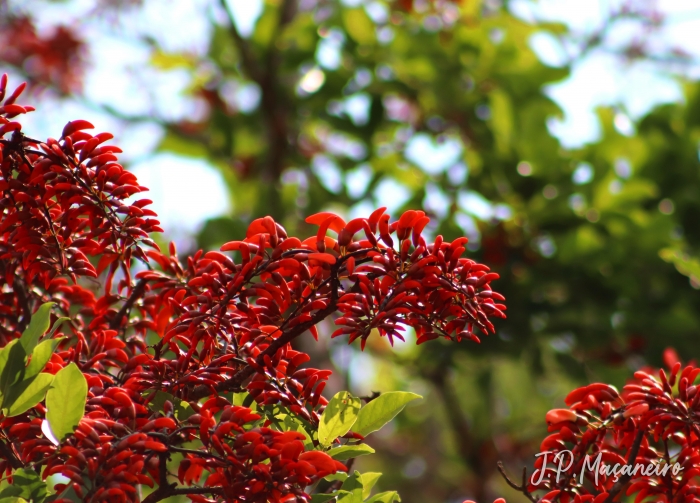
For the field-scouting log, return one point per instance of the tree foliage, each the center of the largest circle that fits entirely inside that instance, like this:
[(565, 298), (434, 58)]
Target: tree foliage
[(589, 241), (192, 333)]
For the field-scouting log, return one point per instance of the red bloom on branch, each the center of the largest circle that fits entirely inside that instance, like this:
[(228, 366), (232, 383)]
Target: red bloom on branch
[(641, 441), (163, 349)]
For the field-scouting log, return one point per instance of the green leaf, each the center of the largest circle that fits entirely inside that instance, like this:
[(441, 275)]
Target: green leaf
[(13, 499), (65, 401), (169, 61), (353, 485), (350, 451), (12, 366), (385, 497), (239, 398), (26, 394), (686, 265), (181, 409), (338, 417), (359, 26), (26, 485), (40, 357), (38, 326), (8, 490), (336, 476), (381, 410), (57, 324), (368, 481), (319, 498)]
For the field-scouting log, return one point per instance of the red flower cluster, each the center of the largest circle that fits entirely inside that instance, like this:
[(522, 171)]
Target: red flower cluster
[(642, 442), (54, 59), (159, 348)]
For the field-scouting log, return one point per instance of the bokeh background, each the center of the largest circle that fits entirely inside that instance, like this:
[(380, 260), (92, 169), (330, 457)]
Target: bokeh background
[(561, 136)]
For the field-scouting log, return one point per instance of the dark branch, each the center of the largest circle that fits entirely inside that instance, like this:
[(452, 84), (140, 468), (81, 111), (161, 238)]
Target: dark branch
[(522, 487), (164, 488), (631, 460), (247, 58), (272, 102), (195, 452), (234, 383), (173, 490), (10, 456), (137, 292), (24, 304)]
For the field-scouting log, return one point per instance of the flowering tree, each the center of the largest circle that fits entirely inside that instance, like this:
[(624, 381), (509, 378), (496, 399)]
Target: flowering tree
[(164, 377)]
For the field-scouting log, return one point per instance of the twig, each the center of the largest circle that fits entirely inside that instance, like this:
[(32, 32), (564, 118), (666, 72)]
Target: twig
[(197, 453), (173, 490), (272, 105), (138, 290), (164, 488), (247, 58), (24, 304), (518, 487), (235, 382), (631, 459), (10, 456)]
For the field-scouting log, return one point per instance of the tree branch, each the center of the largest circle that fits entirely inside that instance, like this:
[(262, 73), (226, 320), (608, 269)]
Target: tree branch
[(164, 488), (631, 459), (137, 292), (247, 58), (234, 383), (10, 456), (475, 454), (518, 487), (24, 304), (173, 490), (272, 104)]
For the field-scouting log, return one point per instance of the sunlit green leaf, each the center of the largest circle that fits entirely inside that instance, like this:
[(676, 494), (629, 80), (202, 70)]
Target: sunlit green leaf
[(322, 498), (65, 401), (12, 366), (359, 26), (338, 417), (385, 497), (40, 356), (369, 479), (350, 451), (26, 394), (336, 476), (38, 325), (353, 486), (381, 410)]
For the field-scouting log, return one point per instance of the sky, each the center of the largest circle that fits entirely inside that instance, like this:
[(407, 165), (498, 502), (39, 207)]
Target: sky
[(186, 191)]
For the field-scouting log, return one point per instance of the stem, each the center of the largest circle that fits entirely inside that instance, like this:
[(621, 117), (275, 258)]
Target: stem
[(9, 454), (272, 103), (197, 453), (164, 488), (522, 487), (137, 292), (167, 491), (631, 459), (234, 383), (471, 451), (24, 303), (247, 58)]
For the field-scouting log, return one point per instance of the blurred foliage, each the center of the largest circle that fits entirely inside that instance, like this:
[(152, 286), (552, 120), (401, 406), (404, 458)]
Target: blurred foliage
[(342, 106)]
